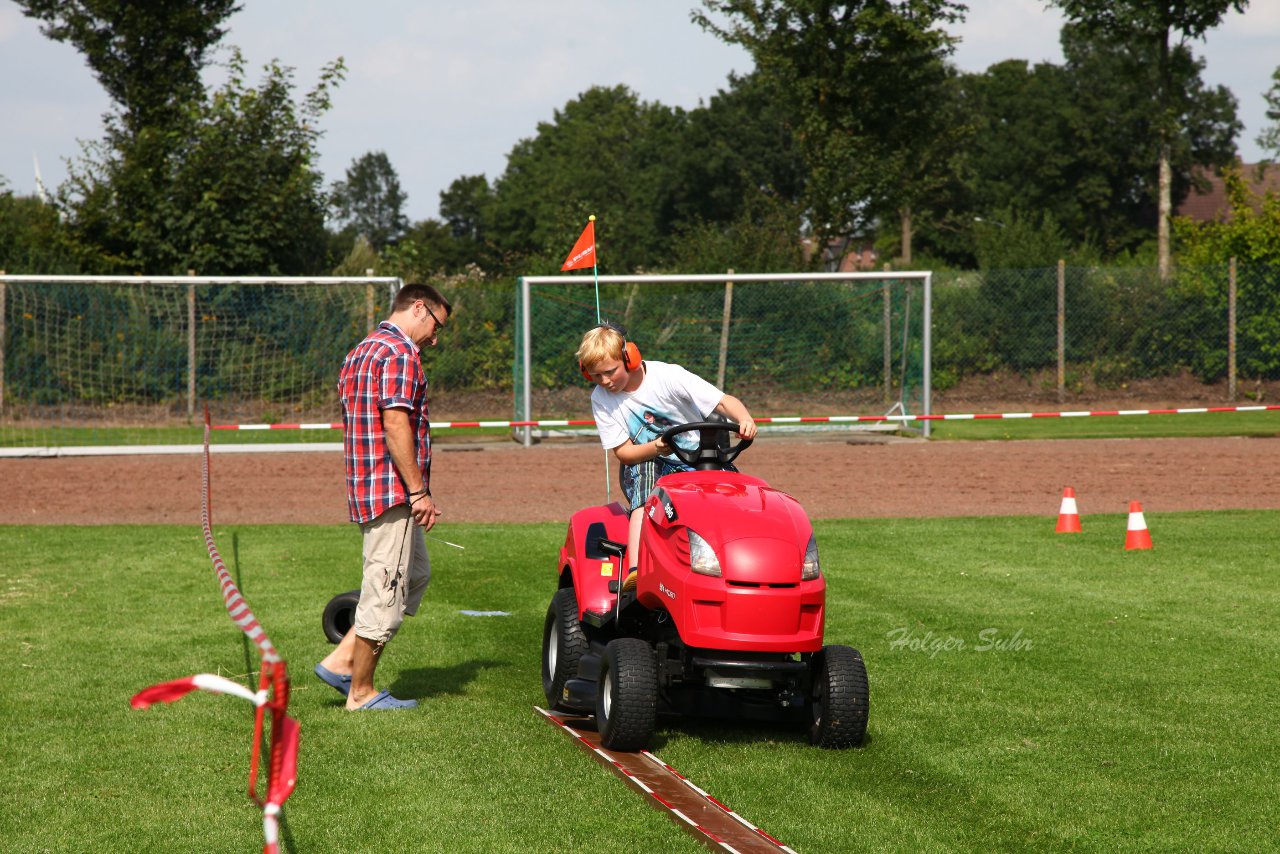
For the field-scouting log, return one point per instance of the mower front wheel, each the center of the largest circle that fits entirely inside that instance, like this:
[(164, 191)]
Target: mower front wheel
[(839, 699), (563, 643), (627, 699)]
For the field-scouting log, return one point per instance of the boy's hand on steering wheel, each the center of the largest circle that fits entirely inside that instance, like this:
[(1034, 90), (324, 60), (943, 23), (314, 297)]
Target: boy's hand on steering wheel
[(747, 428)]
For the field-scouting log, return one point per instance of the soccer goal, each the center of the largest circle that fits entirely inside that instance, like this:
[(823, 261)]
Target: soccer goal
[(787, 344), (93, 363)]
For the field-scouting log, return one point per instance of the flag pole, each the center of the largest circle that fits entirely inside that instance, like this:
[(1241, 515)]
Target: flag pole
[(595, 267), (587, 244), (595, 276)]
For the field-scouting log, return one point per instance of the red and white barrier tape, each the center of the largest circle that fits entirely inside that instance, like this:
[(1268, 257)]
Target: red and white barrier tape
[(237, 608), (804, 419), (282, 774)]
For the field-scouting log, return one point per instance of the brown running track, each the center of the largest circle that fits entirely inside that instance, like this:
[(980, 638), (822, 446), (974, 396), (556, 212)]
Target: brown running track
[(831, 477)]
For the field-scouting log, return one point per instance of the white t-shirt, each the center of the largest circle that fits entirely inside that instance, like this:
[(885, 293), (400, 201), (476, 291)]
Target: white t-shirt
[(667, 396)]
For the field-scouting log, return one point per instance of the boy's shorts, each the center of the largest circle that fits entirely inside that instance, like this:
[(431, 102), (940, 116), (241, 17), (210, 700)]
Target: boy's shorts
[(397, 569), (638, 480)]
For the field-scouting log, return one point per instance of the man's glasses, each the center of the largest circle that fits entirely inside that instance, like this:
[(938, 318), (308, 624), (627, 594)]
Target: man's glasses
[(439, 325)]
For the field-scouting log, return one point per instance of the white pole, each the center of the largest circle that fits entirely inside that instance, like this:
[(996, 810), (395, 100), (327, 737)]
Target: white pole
[(526, 356), (927, 336)]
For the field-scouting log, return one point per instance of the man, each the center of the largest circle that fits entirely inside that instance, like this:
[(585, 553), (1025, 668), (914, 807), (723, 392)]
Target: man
[(387, 444)]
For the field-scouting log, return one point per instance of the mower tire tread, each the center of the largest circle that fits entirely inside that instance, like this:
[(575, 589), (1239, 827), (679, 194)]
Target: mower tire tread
[(842, 701), (631, 671), (563, 629)]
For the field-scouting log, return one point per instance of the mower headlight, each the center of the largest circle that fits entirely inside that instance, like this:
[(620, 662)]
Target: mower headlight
[(810, 571), (702, 558)]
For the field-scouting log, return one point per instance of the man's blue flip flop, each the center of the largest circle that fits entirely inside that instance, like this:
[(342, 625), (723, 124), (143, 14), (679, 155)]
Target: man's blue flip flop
[(384, 700), (340, 682)]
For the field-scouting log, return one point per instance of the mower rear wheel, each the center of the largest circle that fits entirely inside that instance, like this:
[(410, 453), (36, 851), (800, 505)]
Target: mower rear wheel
[(563, 643), (839, 699), (340, 615), (627, 699)]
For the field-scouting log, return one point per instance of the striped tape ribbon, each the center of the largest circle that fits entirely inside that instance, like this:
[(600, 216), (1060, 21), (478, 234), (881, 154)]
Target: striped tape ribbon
[(805, 419)]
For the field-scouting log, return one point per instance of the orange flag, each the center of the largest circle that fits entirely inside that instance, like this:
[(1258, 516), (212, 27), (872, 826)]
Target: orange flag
[(583, 253)]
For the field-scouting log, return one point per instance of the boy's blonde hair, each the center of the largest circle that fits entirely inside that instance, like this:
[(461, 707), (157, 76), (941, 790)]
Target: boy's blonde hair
[(598, 344)]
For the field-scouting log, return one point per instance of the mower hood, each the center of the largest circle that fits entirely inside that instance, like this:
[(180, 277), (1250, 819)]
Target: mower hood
[(758, 533)]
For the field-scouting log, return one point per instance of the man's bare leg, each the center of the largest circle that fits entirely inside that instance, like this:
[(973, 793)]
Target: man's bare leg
[(364, 660)]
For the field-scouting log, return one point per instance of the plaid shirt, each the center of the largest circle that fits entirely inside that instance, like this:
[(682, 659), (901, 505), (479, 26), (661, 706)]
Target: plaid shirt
[(382, 372)]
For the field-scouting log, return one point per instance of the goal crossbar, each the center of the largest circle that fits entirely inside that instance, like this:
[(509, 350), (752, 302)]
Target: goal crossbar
[(524, 392)]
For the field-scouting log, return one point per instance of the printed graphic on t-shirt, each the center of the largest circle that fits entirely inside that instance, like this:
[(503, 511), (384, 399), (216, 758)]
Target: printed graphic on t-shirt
[(648, 425)]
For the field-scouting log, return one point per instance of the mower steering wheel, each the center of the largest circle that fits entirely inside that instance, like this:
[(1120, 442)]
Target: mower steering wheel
[(704, 458)]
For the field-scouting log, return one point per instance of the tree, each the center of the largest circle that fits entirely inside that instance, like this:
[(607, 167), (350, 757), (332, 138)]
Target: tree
[(1154, 22), (465, 205), (370, 201), (239, 193), (864, 78), (467, 210), (1251, 233), (32, 239), (1269, 139), (1075, 140), (606, 153), (740, 144), (148, 56)]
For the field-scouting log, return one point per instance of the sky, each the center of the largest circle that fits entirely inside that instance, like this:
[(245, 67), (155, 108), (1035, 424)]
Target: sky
[(446, 89)]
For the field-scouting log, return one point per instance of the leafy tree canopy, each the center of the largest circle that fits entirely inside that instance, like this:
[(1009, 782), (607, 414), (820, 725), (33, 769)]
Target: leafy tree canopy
[(147, 56), (32, 238), (370, 201), (1077, 140), (606, 153), (1250, 234), (862, 77), (1269, 139), (239, 193)]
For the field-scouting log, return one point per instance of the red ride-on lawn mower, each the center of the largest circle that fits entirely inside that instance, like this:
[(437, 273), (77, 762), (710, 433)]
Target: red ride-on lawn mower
[(723, 617)]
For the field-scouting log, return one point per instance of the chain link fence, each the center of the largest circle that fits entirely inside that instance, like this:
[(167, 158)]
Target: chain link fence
[(76, 357), (784, 344), (1090, 334)]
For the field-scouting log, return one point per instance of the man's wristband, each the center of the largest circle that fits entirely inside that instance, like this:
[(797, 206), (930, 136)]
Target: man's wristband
[(423, 491)]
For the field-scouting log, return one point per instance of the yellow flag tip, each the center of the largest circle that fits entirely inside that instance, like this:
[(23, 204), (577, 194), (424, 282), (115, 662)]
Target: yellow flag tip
[(591, 218)]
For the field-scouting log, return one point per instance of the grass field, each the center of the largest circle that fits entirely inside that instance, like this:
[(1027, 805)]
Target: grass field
[(1114, 426), (1030, 691)]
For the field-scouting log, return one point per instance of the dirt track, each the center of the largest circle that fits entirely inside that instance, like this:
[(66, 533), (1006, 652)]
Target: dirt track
[(505, 483)]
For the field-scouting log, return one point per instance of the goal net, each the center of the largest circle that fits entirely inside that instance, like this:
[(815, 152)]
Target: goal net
[(95, 361), (786, 344)]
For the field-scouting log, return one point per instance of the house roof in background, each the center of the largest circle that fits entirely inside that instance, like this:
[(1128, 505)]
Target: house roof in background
[(1211, 205)]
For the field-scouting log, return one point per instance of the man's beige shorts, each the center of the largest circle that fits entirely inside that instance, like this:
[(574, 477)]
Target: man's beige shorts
[(396, 571)]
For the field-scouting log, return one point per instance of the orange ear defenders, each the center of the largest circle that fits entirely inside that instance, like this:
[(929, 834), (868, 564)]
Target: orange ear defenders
[(630, 352)]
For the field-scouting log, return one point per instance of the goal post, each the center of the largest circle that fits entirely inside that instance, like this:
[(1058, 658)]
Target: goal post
[(100, 361), (807, 344)]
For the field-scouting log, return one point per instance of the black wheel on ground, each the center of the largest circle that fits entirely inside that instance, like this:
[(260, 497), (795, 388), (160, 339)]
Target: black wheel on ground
[(563, 643), (627, 699), (340, 615), (839, 699)]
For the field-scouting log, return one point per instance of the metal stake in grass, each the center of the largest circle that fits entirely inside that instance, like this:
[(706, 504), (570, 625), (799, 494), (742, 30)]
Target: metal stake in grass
[(446, 542)]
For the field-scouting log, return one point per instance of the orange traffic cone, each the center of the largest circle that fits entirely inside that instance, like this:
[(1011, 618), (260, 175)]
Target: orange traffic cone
[(1137, 537), (1068, 515)]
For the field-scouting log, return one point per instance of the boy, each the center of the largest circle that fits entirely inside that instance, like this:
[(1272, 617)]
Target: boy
[(634, 401)]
